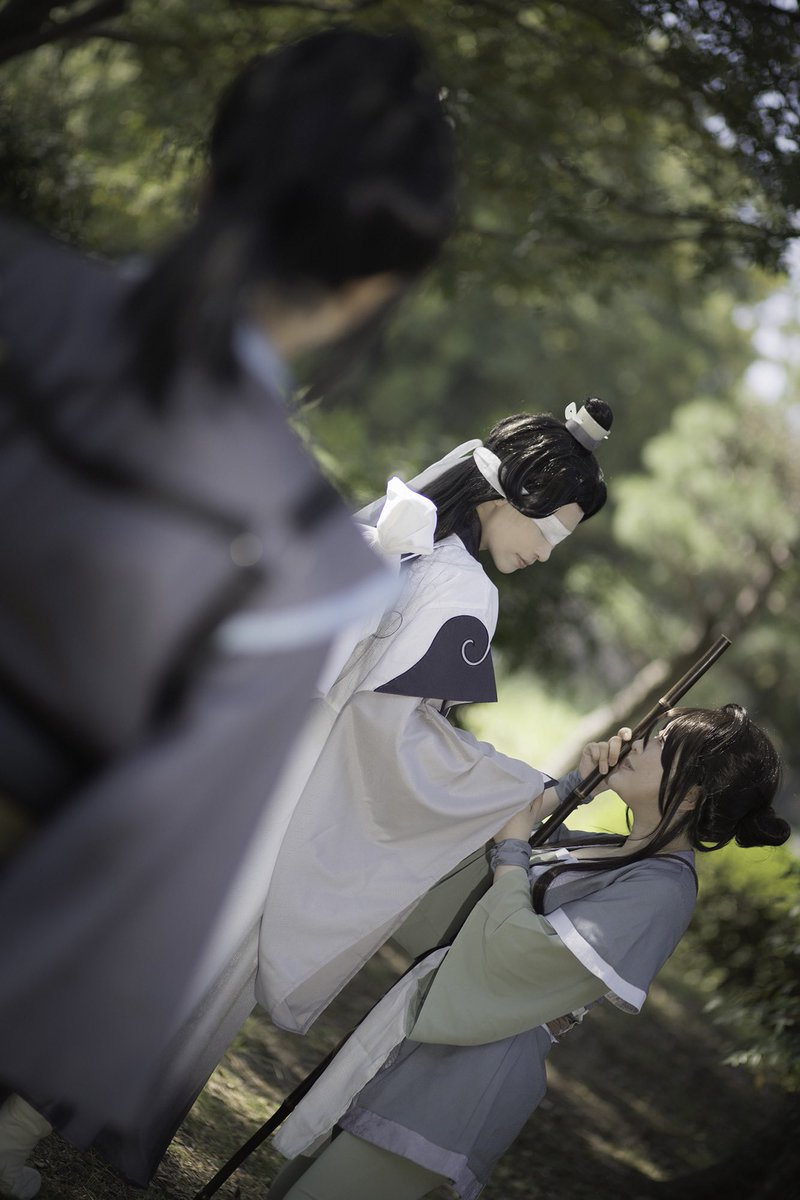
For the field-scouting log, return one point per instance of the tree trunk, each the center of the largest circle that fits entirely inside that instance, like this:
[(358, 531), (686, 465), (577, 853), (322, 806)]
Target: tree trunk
[(651, 682)]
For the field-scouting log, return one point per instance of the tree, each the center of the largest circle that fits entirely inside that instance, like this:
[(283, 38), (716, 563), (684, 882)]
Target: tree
[(711, 532), (597, 138), (622, 160)]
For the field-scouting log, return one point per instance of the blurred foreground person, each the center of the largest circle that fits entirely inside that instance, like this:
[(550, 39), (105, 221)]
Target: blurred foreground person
[(177, 567)]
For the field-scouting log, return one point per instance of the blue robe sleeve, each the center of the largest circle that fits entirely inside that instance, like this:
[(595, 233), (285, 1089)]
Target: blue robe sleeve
[(624, 932), (457, 666)]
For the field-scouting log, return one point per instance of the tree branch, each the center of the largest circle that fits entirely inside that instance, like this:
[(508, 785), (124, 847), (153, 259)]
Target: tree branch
[(128, 37), (617, 242), (645, 688), (55, 31), (332, 9), (19, 17)]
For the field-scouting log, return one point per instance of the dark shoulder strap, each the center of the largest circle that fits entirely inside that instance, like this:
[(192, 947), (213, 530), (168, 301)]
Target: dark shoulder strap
[(74, 755)]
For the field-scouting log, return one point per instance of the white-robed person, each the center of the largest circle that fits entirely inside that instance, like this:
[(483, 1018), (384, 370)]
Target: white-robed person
[(397, 796)]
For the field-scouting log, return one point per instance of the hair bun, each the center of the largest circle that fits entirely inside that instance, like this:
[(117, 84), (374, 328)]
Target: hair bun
[(590, 424), (600, 411), (762, 827)]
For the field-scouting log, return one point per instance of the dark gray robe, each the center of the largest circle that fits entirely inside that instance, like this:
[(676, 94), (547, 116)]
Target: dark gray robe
[(143, 743)]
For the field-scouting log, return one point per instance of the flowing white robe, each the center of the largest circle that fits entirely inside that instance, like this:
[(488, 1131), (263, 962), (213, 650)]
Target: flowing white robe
[(396, 796)]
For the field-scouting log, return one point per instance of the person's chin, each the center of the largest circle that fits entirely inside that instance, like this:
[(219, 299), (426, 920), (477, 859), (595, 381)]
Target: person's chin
[(615, 782)]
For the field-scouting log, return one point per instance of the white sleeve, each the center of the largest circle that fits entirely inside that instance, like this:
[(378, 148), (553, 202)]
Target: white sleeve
[(425, 777), (397, 798)]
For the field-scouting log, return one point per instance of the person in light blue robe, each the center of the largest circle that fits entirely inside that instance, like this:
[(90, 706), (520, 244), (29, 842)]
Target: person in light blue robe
[(585, 920)]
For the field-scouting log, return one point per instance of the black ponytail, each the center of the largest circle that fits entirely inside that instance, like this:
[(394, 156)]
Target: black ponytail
[(331, 160)]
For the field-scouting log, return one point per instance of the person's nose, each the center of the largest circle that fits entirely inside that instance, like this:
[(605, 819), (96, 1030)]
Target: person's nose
[(544, 553)]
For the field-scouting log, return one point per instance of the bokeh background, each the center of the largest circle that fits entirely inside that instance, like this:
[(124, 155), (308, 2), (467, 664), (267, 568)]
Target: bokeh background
[(628, 228)]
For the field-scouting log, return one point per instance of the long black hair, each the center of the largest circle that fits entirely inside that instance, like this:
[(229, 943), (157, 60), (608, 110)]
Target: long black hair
[(542, 468), (331, 160), (734, 768)]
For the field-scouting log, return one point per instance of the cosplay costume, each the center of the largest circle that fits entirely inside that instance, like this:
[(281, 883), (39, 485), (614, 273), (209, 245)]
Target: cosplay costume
[(393, 796), (400, 1081), (175, 576), (396, 796)]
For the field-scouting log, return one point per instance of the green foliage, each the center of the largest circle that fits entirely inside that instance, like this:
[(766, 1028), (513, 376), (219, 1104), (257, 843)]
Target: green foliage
[(623, 161), (599, 141), (712, 532), (721, 489), (743, 951), (752, 45), (41, 176)]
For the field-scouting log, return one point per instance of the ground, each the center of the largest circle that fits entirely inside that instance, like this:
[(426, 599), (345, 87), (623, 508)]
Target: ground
[(632, 1101)]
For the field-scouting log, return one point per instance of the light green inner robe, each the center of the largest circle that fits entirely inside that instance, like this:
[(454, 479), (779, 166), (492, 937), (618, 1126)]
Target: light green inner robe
[(506, 972)]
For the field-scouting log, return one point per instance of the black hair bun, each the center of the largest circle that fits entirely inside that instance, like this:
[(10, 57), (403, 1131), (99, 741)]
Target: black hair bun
[(599, 411), (762, 827)]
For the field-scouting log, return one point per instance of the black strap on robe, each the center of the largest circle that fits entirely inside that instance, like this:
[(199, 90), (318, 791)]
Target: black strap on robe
[(45, 757)]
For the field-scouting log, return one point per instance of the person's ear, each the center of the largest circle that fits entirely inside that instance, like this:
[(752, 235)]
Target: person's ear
[(691, 800)]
